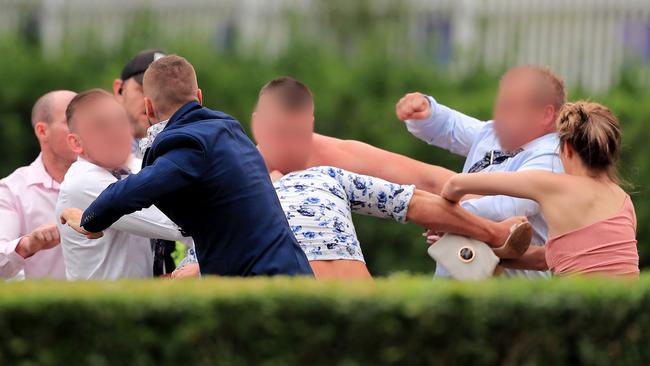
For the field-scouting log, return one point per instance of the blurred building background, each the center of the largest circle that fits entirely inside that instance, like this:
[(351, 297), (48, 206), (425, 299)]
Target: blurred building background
[(358, 56), (589, 42)]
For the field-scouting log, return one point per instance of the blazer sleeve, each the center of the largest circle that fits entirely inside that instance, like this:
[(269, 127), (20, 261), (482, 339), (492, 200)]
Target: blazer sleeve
[(180, 162)]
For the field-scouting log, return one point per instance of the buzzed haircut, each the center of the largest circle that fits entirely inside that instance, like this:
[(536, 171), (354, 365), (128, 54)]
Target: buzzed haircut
[(291, 93), (43, 108), (82, 99), (170, 82), (552, 85)]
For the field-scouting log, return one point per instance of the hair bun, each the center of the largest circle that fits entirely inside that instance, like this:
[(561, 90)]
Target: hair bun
[(594, 134)]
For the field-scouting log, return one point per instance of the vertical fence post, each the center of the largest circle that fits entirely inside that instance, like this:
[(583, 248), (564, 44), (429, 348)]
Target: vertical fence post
[(51, 26)]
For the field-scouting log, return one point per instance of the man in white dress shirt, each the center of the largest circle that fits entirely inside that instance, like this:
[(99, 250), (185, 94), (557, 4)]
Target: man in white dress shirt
[(100, 133), (520, 137)]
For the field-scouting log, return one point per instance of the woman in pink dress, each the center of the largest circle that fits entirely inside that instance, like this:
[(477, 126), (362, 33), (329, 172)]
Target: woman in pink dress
[(591, 219)]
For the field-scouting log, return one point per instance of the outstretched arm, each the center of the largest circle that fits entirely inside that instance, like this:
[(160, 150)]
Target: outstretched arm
[(366, 159), (531, 184), (174, 170), (148, 222)]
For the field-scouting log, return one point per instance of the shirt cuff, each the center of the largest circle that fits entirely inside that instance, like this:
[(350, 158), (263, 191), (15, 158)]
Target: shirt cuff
[(421, 126), (9, 253), (401, 209)]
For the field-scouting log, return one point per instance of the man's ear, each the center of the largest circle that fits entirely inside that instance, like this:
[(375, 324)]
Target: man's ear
[(199, 96), (40, 129), (74, 142), (117, 88), (149, 110), (549, 118)]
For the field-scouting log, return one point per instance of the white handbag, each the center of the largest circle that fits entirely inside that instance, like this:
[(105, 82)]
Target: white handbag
[(465, 259)]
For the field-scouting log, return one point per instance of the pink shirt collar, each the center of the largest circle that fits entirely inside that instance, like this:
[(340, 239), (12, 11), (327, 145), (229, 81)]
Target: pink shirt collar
[(36, 174)]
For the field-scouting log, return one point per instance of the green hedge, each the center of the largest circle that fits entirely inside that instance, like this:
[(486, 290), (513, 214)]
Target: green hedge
[(400, 320)]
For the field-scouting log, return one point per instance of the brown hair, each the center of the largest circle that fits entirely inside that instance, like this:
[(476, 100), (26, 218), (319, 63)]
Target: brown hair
[(594, 133), (81, 99), (291, 93), (170, 82)]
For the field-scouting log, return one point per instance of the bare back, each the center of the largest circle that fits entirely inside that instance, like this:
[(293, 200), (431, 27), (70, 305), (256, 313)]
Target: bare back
[(579, 201)]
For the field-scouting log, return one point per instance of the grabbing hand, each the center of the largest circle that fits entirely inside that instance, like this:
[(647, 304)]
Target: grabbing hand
[(413, 106), (432, 237), (72, 217)]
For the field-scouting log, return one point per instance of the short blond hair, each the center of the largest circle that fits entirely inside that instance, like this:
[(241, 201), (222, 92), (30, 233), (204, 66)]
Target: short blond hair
[(170, 82)]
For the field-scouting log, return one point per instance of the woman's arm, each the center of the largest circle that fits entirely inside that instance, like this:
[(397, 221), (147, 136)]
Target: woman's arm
[(530, 184)]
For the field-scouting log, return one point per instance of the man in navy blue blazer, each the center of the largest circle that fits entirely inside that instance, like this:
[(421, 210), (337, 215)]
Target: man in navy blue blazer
[(206, 175)]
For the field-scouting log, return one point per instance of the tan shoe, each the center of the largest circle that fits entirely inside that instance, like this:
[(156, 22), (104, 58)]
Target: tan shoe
[(517, 243)]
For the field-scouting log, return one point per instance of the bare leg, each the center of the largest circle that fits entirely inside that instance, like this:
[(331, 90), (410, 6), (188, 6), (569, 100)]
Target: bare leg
[(438, 214)]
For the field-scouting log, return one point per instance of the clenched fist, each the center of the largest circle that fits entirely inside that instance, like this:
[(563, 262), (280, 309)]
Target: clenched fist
[(42, 238), (413, 106)]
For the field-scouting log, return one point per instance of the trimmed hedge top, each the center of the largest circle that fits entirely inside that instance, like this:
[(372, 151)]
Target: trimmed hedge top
[(399, 320)]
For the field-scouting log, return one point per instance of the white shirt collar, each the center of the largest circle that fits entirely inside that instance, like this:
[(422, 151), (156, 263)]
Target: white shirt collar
[(548, 140)]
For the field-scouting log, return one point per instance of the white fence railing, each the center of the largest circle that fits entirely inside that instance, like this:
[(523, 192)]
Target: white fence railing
[(588, 42)]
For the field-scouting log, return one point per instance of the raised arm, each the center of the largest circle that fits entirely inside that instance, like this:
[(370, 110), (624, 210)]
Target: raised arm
[(175, 169), (437, 124)]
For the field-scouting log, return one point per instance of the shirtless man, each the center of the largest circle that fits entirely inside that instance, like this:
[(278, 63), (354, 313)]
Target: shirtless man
[(283, 126)]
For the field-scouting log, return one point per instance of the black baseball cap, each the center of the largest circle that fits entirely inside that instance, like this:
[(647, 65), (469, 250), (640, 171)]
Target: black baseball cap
[(138, 65)]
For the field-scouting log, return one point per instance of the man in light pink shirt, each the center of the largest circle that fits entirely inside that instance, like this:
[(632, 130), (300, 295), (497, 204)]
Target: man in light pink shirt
[(28, 234)]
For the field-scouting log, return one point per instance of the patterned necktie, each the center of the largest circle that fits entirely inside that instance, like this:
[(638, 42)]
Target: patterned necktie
[(493, 157)]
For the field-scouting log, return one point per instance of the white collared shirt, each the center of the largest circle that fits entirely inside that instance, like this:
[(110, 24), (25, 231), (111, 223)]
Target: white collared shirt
[(125, 248), (467, 136)]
